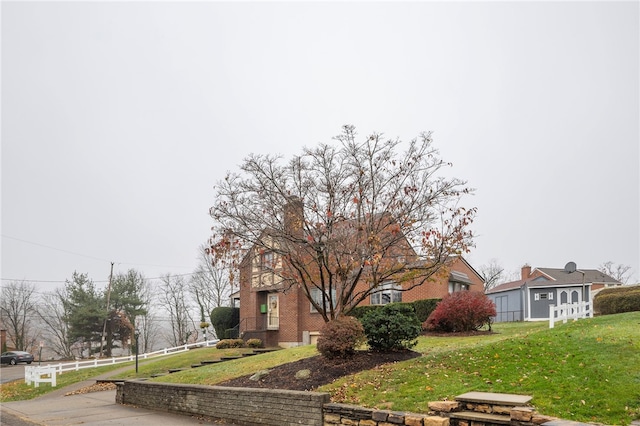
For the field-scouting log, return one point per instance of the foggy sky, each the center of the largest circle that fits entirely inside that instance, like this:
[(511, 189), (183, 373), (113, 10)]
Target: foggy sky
[(119, 117)]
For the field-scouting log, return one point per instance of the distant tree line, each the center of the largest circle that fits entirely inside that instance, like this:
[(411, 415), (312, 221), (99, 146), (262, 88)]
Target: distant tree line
[(80, 320)]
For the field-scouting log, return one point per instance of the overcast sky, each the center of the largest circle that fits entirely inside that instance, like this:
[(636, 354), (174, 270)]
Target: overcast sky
[(119, 117)]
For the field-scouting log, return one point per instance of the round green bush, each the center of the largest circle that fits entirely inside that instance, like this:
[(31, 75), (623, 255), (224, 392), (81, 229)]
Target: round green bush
[(392, 327), (224, 318), (340, 337)]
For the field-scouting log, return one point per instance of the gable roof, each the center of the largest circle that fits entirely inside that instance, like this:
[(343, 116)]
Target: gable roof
[(590, 276), (551, 277)]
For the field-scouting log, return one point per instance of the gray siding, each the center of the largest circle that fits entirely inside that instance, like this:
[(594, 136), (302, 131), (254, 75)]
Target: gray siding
[(508, 305)]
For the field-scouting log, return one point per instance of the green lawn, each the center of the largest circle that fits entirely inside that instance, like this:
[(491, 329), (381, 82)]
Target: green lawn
[(586, 371)]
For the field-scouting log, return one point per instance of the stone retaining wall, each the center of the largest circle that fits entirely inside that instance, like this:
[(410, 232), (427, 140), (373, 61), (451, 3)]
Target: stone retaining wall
[(235, 405), (251, 406)]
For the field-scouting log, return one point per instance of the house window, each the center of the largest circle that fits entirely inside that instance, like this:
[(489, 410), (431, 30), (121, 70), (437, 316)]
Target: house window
[(543, 295), (455, 286), (388, 292), (536, 296), (550, 296), (266, 260), (316, 295)]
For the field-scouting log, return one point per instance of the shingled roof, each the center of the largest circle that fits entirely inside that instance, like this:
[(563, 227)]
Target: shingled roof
[(557, 276)]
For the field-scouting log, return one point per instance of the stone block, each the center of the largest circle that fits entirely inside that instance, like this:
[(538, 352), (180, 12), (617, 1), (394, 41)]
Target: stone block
[(501, 409), (348, 422), (436, 421), (483, 408), (380, 416), (396, 418), (411, 420), (444, 406), (539, 419), (332, 419), (367, 423), (521, 414)]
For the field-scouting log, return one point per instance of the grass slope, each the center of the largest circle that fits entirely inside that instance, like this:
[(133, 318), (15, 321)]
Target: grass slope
[(586, 371)]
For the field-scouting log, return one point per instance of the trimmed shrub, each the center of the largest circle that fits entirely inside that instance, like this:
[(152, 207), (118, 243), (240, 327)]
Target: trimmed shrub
[(617, 300), (461, 311), (424, 308), (224, 318), (230, 343), (340, 337), (254, 343), (361, 311), (392, 327)]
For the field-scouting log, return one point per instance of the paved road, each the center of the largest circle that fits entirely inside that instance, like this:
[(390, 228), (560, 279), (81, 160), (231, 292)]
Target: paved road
[(9, 373), (91, 409)]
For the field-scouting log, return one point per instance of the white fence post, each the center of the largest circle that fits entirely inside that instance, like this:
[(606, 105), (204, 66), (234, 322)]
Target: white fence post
[(573, 311)]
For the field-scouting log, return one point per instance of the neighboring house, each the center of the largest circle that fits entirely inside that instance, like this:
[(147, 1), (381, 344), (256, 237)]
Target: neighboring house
[(529, 298), (281, 315)]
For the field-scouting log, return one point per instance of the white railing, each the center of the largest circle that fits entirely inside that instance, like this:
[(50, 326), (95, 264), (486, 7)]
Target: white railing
[(567, 311), (40, 374), (34, 374)]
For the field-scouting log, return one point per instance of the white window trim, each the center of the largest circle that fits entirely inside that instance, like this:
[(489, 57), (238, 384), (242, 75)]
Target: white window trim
[(389, 289)]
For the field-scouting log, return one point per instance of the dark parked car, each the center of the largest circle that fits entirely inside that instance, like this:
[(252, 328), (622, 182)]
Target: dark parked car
[(14, 357)]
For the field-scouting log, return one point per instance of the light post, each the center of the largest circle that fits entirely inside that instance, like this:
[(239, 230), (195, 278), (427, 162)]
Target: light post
[(137, 334)]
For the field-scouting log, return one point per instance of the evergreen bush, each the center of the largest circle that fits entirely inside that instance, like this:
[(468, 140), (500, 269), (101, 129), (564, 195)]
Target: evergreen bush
[(392, 327), (424, 308), (254, 343), (230, 343), (223, 318), (617, 300)]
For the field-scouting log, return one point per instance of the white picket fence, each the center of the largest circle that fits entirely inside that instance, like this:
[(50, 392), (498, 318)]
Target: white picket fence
[(47, 373), (567, 311)]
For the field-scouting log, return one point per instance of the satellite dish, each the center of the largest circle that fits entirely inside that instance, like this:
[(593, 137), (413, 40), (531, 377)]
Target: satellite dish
[(570, 267)]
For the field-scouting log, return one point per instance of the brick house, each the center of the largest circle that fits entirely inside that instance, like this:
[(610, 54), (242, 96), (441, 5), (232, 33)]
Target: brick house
[(280, 314)]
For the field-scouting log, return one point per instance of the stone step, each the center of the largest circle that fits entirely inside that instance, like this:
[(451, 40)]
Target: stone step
[(492, 398), (210, 361), (197, 365), (175, 370), (230, 357), (264, 350), (487, 419)]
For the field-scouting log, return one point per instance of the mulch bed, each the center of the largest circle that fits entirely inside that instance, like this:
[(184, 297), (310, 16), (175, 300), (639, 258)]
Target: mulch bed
[(322, 370)]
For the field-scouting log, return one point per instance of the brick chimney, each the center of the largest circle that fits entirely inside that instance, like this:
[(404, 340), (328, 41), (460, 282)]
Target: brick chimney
[(526, 272), (294, 216)]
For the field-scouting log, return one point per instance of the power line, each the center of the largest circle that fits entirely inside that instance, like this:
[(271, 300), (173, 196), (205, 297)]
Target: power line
[(82, 255), (93, 281)]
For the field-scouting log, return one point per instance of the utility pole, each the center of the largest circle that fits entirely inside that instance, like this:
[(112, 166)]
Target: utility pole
[(104, 327)]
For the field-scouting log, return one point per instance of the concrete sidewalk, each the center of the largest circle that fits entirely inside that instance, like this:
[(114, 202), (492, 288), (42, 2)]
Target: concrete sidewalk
[(96, 408)]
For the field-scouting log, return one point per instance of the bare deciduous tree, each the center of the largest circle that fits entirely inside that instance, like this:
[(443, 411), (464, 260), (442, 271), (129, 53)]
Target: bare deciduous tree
[(173, 297), (17, 309), (492, 274), (619, 272), (355, 213), (147, 322), (53, 315), (209, 285)]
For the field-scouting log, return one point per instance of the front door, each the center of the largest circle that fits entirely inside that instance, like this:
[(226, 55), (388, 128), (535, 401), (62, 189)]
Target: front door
[(273, 311)]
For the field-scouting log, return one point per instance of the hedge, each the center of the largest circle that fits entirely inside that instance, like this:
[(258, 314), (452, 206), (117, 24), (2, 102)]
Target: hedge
[(617, 300)]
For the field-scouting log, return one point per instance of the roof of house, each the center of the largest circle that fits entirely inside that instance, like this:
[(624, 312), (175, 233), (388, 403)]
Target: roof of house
[(557, 277)]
